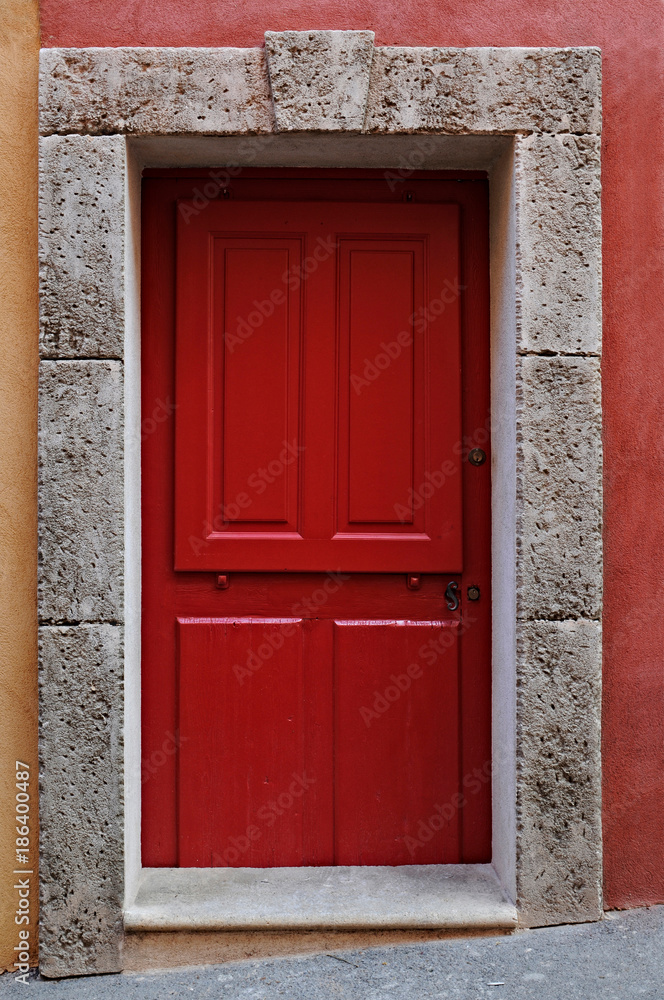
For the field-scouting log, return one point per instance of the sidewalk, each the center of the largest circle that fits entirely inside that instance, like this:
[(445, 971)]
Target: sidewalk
[(621, 957)]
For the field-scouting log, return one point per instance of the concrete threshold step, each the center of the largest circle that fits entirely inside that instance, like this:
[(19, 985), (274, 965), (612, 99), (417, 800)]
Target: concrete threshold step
[(409, 896)]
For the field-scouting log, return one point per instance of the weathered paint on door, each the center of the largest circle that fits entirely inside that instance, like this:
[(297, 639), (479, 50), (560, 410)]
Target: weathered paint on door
[(311, 696)]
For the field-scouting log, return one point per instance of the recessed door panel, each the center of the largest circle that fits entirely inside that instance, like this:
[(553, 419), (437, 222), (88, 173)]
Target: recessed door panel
[(396, 691), (256, 343), (381, 285), (254, 778)]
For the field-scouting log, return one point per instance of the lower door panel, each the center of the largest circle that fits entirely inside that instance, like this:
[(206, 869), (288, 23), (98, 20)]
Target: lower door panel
[(317, 742)]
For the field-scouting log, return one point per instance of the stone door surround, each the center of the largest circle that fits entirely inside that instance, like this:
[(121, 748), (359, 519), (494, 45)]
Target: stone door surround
[(532, 119)]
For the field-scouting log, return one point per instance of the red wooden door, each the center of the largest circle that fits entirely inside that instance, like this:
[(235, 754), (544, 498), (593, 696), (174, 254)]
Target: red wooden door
[(312, 693)]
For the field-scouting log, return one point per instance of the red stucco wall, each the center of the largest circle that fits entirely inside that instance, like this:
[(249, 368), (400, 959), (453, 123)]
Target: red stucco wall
[(630, 33)]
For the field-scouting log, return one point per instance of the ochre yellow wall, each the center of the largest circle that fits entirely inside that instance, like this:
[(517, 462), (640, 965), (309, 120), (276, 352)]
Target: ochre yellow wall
[(19, 62)]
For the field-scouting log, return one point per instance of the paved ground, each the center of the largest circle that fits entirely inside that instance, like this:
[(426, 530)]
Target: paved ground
[(619, 958)]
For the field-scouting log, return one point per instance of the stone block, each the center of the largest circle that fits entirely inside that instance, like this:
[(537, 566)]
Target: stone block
[(81, 246), (559, 816), (319, 79), (81, 800), (484, 90), (559, 244), (81, 492), (559, 488), (154, 91)]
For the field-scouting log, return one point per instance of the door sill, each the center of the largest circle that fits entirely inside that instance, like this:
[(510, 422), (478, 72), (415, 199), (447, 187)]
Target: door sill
[(352, 898)]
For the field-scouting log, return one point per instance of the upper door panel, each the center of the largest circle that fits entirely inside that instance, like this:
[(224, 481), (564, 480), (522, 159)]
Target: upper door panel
[(318, 388)]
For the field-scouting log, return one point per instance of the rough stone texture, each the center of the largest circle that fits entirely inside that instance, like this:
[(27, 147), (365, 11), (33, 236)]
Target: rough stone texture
[(559, 818), (81, 544), (81, 799), (154, 91), (81, 246), (559, 243), (319, 79), (487, 90), (559, 488)]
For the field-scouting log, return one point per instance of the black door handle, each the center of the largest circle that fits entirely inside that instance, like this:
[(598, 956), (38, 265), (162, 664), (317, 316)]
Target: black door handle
[(452, 596)]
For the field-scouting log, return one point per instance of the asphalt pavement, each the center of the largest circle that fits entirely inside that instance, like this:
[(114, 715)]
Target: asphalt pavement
[(620, 957)]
